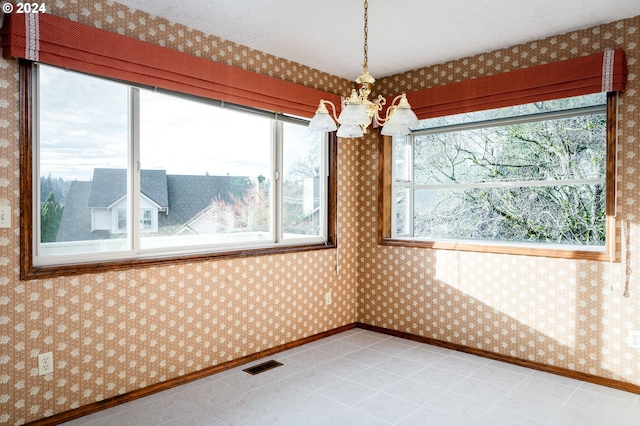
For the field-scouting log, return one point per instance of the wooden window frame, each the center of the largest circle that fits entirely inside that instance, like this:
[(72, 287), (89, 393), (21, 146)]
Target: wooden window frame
[(29, 271), (385, 182)]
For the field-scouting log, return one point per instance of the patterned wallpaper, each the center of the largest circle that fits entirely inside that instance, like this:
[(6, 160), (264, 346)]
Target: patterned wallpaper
[(112, 333), (553, 311), (115, 332)]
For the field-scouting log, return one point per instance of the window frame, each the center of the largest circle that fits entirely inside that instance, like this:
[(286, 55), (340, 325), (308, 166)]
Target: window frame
[(28, 233), (385, 219)]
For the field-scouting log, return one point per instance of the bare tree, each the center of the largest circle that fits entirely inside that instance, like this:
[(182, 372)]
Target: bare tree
[(549, 151)]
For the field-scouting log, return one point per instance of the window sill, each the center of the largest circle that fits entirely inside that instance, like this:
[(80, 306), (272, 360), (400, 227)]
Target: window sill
[(38, 272), (521, 250)]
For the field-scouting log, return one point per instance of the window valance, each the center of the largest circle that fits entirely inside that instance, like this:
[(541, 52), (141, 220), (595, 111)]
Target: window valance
[(601, 72), (60, 42)]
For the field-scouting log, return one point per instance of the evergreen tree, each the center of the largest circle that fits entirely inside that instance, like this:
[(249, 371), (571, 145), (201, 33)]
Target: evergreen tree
[(50, 216), (57, 185), (46, 188)]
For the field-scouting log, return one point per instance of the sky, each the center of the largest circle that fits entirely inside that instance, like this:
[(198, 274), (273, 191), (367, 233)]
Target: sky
[(87, 128)]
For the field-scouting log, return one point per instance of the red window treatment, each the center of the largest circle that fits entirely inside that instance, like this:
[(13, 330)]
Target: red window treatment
[(57, 41), (602, 72)]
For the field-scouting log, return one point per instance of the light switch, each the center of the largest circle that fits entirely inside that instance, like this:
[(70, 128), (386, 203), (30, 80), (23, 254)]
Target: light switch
[(5, 216)]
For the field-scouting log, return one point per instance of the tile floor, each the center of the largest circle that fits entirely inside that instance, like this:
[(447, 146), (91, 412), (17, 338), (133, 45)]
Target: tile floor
[(364, 378)]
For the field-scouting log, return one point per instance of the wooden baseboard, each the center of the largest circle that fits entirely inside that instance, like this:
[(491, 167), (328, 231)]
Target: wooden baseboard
[(177, 381), (616, 384)]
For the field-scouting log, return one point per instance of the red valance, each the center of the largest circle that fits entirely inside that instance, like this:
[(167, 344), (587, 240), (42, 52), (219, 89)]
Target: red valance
[(57, 41), (602, 72)]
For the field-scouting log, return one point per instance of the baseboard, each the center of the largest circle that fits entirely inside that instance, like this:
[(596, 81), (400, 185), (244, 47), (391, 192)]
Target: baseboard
[(616, 384), (177, 381)]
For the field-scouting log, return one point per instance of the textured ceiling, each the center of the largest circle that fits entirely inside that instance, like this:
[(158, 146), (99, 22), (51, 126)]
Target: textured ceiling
[(403, 34)]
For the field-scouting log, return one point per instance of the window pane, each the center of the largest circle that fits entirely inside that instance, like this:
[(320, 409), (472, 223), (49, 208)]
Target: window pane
[(516, 110), (83, 141), (563, 214), (303, 182), (568, 148), (402, 158), (537, 179), (205, 173), (403, 212), (146, 222)]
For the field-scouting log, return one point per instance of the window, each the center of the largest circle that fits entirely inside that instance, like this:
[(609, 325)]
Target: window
[(122, 221), (204, 178), (534, 179), (146, 221)]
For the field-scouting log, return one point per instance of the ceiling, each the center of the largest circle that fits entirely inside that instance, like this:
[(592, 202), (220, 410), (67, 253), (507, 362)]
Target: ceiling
[(403, 34)]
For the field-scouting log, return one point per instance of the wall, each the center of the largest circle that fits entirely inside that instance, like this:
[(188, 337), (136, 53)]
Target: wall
[(116, 332), (553, 311)]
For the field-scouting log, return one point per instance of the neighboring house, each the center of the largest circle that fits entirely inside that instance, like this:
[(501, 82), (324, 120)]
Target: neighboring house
[(108, 201), (170, 204)]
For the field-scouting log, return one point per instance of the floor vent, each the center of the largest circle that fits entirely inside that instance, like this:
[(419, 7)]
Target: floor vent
[(261, 368)]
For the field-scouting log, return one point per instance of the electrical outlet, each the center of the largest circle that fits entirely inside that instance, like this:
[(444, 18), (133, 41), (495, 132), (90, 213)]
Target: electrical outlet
[(5, 217), (45, 363), (327, 298), (634, 339)]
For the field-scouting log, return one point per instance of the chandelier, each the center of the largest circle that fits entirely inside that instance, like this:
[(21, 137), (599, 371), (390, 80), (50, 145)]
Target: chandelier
[(358, 112)]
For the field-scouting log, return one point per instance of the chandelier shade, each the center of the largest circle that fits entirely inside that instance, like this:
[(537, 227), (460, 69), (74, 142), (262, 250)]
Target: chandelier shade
[(358, 112), (322, 121), (350, 131), (354, 114), (391, 129), (402, 114)]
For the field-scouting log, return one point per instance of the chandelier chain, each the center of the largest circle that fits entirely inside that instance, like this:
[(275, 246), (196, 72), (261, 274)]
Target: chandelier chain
[(366, 35), (358, 112)]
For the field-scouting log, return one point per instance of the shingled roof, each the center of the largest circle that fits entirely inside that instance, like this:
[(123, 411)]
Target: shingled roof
[(75, 224), (191, 195), (110, 185), (186, 196)]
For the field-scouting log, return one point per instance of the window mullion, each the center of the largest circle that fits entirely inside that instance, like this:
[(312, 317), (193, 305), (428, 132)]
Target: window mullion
[(133, 174), (411, 177), (325, 183), (500, 184), (37, 224), (277, 200)]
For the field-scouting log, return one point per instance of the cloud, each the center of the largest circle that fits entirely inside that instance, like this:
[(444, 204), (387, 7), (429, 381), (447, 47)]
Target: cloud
[(84, 124)]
